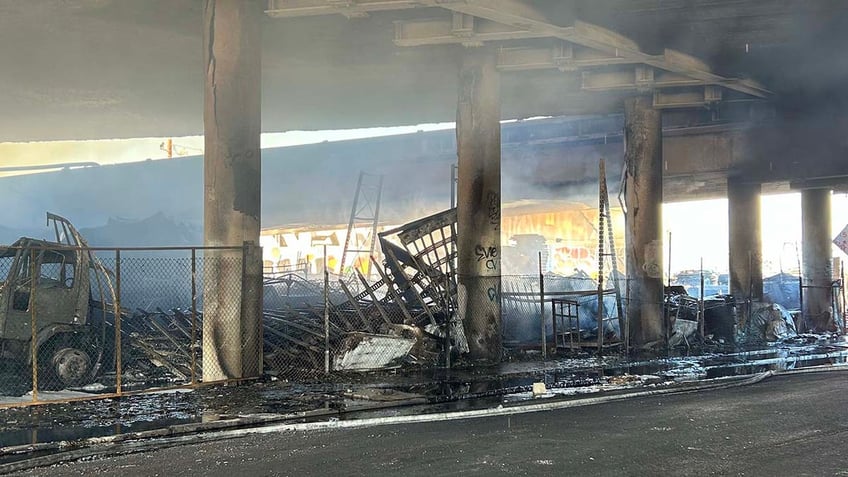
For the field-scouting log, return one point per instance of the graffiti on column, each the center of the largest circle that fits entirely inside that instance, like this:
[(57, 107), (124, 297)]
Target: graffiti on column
[(487, 255), (494, 294), (493, 206)]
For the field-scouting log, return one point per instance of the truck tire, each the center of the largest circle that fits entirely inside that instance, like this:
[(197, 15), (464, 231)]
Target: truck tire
[(63, 364), (72, 366)]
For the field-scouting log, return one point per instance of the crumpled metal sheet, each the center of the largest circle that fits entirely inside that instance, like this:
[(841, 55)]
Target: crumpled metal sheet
[(363, 352)]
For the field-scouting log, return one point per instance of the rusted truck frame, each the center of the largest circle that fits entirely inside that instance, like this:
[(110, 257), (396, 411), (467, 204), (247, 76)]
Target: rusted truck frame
[(47, 310)]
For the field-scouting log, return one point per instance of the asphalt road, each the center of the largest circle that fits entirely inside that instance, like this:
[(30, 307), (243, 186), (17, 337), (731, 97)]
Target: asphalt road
[(786, 425)]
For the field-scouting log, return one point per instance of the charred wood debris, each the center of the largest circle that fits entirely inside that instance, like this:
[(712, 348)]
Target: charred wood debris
[(412, 301), (403, 316)]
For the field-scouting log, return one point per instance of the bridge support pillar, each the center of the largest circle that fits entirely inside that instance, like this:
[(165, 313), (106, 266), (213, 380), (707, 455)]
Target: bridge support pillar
[(817, 264), (746, 245), (232, 279), (478, 138), (643, 222)]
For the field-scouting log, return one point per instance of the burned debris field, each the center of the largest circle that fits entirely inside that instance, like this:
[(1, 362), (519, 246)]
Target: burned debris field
[(306, 219)]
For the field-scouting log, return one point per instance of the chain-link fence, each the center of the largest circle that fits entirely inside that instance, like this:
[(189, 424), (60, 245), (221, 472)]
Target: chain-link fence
[(401, 320), (80, 322)]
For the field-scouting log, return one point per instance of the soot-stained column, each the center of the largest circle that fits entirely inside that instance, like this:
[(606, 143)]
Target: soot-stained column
[(232, 285), (643, 231), (478, 134), (746, 254), (818, 268)]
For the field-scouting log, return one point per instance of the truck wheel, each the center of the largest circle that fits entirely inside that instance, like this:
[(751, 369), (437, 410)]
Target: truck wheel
[(71, 366), (62, 365)]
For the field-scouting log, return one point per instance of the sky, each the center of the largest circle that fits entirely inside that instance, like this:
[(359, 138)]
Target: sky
[(698, 229)]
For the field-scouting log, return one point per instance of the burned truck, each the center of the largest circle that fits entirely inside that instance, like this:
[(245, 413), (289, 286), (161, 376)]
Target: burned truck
[(48, 314)]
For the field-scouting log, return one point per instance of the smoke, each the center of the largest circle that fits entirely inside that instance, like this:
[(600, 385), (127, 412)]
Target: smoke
[(314, 185)]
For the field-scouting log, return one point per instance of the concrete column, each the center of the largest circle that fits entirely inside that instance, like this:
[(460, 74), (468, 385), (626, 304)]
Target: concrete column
[(232, 288), (478, 138), (746, 245), (643, 222), (818, 268)]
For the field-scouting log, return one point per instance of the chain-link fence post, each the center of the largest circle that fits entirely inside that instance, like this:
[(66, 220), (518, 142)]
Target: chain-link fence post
[(33, 279), (450, 318), (326, 314), (193, 348), (118, 349), (627, 315), (542, 309)]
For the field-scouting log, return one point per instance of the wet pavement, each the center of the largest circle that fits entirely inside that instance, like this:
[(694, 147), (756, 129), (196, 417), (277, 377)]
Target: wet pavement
[(401, 392), (785, 425)]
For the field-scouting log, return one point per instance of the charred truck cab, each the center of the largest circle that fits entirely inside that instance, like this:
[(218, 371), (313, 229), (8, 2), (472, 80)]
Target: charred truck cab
[(47, 311)]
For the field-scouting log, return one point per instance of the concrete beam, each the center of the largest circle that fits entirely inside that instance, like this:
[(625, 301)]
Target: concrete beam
[(818, 267), (524, 16), (232, 279), (638, 78), (460, 29), (687, 97), (521, 20), (478, 138), (563, 56), (671, 90), (643, 222), (348, 8)]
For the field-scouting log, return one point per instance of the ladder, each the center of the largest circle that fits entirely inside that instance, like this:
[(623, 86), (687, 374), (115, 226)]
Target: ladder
[(365, 211), (606, 241)]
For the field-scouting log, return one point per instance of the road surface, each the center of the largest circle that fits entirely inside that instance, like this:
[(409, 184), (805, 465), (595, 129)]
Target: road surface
[(785, 425)]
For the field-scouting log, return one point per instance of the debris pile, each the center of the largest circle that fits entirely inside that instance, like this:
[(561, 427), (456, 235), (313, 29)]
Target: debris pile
[(521, 309), (157, 346), (683, 312), (768, 323), (402, 318)]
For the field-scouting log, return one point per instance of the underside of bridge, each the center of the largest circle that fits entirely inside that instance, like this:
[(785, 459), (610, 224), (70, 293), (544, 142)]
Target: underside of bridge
[(93, 69)]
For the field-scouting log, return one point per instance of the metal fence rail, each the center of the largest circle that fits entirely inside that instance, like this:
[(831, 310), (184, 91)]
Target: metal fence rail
[(108, 322), (82, 323)]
